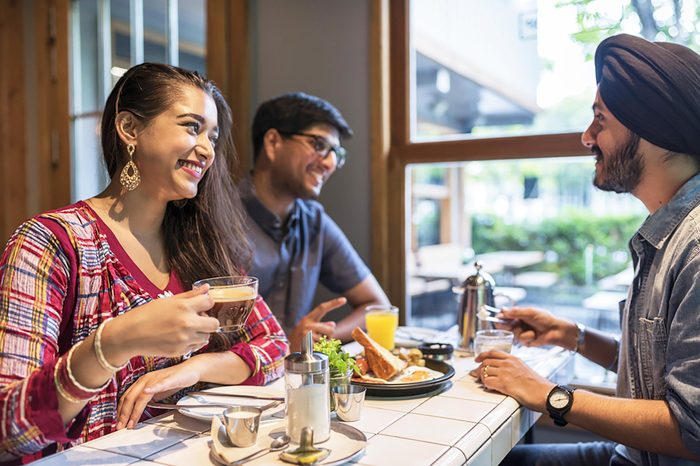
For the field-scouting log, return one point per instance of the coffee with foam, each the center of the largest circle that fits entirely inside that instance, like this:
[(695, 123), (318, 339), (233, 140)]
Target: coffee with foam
[(232, 305)]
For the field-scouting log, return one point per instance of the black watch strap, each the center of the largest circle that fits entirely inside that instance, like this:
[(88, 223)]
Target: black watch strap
[(557, 414)]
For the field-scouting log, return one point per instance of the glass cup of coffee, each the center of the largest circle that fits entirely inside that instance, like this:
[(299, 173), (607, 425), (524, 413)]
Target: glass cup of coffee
[(234, 298)]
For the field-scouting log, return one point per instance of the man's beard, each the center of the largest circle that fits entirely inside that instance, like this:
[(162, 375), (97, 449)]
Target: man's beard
[(290, 185), (620, 170)]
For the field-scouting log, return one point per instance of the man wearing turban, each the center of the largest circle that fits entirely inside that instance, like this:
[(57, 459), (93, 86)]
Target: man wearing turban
[(645, 135)]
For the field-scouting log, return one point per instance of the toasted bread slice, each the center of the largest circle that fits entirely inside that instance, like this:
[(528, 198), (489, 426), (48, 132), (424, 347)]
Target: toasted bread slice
[(380, 360), (368, 379)]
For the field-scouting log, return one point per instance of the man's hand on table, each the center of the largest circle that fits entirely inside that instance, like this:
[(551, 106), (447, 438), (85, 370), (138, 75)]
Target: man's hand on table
[(509, 375), (312, 322)]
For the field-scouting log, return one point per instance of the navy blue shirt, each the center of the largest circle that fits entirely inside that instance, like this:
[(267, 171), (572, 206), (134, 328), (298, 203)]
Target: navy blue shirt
[(290, 258)]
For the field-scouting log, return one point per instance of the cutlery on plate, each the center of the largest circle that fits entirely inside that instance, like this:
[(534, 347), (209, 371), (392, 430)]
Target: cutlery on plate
[(186, 405), (234, 395), (419, 338), (154, 404), (433, 336)]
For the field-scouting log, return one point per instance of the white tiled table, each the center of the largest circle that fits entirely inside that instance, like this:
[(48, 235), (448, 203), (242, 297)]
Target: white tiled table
[(461, 425)]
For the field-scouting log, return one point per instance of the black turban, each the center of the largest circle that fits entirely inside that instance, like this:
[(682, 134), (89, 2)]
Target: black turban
[(653, 88)]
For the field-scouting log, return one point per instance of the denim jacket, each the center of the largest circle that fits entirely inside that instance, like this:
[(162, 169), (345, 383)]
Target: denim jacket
[(660, 344)]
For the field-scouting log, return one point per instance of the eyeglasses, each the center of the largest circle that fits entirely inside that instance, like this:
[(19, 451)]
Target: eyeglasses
[(322, 147)]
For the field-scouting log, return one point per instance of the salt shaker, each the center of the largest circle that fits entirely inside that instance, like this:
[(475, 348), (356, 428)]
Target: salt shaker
[(306, 382)]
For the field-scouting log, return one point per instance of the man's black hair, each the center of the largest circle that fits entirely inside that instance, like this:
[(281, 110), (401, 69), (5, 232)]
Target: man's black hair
[(293, 113)]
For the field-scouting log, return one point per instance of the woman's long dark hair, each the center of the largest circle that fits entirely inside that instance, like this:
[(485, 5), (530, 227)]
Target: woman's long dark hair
[(204, 236)]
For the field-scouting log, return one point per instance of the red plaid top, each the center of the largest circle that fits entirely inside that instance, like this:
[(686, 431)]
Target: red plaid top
[(62, 274)]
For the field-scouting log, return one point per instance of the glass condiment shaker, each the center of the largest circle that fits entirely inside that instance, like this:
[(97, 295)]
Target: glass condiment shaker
[(306, 392)]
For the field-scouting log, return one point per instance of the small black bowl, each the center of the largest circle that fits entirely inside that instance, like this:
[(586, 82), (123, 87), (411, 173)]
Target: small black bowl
[(437, 351)]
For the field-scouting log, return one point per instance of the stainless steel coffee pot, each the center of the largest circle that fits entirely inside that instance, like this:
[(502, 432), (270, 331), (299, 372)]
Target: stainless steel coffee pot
[(476, 290)]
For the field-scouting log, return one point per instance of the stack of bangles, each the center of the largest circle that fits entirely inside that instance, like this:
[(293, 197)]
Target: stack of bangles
[(68, 386), (66, 383)]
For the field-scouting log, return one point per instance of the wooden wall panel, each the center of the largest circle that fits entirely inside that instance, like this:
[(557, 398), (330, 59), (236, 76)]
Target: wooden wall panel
[(228, 64), (50, 20), (13, 181)]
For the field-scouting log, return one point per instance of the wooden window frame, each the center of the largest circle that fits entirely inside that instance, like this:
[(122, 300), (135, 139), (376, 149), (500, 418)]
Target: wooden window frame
[(229, 66), (34, 90), (393, 150)]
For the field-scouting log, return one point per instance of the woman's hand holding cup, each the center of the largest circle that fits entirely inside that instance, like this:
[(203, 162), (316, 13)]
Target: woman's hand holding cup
[(163, 327)]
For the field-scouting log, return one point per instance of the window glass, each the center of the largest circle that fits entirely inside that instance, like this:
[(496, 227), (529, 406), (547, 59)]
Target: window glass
[(192, 34), (89, 171), (513, 67), (121, 36), (88, 93), (539, 227), (155, 27), (85, 97)]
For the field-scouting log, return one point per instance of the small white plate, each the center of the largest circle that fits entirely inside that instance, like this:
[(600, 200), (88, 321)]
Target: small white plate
[(206, 413), (414, 336)]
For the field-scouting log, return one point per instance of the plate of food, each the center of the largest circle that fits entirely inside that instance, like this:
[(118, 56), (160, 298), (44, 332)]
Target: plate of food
[(406, 373)]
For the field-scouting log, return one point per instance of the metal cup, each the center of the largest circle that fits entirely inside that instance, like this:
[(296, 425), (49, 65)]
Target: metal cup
[(348, 401), (242, 423)]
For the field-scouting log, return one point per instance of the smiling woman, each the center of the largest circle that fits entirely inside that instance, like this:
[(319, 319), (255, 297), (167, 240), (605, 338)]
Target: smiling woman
[(85, 289)]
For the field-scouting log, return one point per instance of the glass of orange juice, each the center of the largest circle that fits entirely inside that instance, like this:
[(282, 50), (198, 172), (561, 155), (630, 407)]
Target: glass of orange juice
[(381, 321)]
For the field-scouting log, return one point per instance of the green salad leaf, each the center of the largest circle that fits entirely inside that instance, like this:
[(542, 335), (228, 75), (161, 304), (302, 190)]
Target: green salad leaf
[(338, 360)]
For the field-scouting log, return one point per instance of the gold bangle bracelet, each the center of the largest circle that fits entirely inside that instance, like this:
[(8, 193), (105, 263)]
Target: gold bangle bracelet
[(59, 387), (74, 381), (100, 355)]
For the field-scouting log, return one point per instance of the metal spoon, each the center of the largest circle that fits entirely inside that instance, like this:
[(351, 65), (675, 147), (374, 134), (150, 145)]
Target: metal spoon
[(277, 444), (497, 320), (491, 309)]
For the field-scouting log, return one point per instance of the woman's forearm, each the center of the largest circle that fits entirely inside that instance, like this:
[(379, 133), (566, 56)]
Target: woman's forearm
[(88, 372), (224, 368)]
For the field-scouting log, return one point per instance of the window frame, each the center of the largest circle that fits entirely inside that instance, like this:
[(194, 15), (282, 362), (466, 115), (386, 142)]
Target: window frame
[(47, 109), (393, 149)]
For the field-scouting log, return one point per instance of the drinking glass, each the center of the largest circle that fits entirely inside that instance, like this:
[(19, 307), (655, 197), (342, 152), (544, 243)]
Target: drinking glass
[(381, 321), (234, 298), (487, 340)]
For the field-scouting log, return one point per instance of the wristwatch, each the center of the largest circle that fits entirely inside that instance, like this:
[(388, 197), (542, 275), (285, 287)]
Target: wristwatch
[(559, 403)]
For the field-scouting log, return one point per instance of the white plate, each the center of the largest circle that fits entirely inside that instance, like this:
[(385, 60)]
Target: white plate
[(206, 413), (415, 336)]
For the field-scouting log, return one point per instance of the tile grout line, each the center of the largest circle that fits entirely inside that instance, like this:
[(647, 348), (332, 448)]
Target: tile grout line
[(153, 452), (448, 450)]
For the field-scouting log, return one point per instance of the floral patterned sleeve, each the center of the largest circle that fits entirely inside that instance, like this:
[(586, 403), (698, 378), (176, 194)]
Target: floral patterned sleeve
[(34, 277)]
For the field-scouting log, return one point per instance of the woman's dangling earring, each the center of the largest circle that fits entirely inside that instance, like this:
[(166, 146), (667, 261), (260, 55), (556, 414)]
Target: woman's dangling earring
[(130, 181)]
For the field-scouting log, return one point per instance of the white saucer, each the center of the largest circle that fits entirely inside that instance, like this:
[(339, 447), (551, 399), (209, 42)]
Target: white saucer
[(346, 444)]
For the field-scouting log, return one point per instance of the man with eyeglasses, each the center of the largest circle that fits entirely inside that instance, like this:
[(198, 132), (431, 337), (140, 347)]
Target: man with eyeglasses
[(296, 144)]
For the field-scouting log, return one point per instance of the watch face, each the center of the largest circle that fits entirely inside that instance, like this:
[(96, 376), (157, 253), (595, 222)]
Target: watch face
[(559, 399)]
